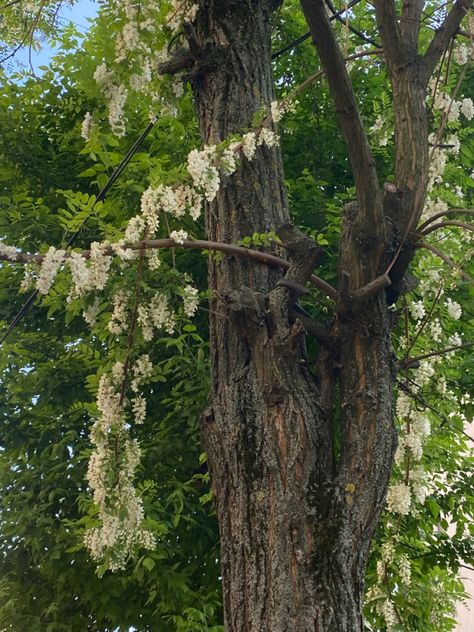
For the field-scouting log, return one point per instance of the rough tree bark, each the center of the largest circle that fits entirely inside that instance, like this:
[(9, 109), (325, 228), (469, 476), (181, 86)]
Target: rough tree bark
[(296, 519)]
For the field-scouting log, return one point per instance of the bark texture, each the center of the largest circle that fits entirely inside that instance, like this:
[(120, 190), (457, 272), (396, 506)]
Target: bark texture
[(296, 517)]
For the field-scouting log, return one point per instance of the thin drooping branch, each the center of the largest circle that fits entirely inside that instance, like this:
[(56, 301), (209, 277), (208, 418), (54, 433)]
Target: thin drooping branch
[(451, 211), (199, 244), (387, 20), (452, 264), (410, 362), (363, 165), (444, 34), (410, 22), (446, 224)]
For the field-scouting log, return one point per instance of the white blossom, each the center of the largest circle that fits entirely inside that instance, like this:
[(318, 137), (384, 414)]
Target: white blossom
[(142, 370), (8, 251), (179, 236), (191, 300), (87, 126), (117, 96), (417, 310), (49, 268), (118, 322), (101, 74), (249, 145), (404, 569), (454, 309), (204, 172), (90, 313), (139, 409), (267, 137), (135, 229), (399, 499), (462, 54), (467, 108)]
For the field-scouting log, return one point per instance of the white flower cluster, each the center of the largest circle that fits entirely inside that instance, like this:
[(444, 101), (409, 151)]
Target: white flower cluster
[(8, 251), (179, 236), (49, 268), (173, 201), (462, 54), (111, 470), (454, 309), (119, 320), (157, 316), (92, 275), (204, 172), (191, 300), (142, 370), (279, 108), (87, 127)]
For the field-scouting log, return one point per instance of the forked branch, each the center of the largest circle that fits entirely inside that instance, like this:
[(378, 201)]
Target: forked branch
[(363, 165), (444, 34)]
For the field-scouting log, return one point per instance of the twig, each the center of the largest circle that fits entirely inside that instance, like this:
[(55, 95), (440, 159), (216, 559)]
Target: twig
[(446, 259)]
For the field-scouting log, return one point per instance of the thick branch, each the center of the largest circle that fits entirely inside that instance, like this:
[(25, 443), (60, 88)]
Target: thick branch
[(410, 22), (363, 165), (444, 34), (199, 244), (389, 28)]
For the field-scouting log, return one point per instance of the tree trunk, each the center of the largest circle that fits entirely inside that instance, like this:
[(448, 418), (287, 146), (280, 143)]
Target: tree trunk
[(295, 518)]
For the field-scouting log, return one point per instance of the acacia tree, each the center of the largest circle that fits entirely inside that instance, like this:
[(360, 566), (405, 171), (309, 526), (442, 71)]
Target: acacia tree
[(299, 459), (295, 520)]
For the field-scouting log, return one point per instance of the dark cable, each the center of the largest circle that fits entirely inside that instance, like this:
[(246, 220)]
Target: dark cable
[(302, 38), (100, 198)]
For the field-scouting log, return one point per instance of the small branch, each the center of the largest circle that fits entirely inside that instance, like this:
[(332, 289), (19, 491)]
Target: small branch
[(434, 227), (451, 211), (29, 34), (229, 249), (371, 288), (425, 321), (421, 400), (314, 328), (446, 259), (347, 110), (409, 362), (181, 59), (444, 34)]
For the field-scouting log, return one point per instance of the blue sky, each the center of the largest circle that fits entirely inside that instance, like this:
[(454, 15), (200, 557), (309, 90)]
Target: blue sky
[(77, 14)]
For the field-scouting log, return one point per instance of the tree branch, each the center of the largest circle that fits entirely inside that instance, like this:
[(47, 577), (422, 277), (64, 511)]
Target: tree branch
[(410, 22), (363, 165), (229, 249), (446, 259), (434, 227), (411, 362), (389, 28), (451, 211), (444, 34)]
